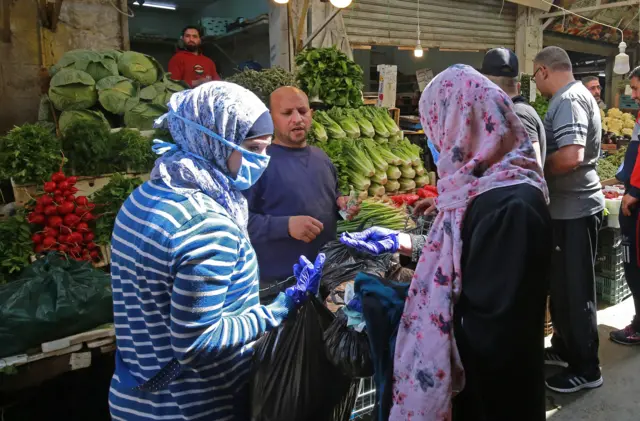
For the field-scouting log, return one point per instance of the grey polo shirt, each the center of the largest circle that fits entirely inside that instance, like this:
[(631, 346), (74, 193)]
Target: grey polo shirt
[(573, 118)]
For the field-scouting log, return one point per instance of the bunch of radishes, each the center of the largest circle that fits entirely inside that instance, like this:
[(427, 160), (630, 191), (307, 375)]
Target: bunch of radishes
[(63, 220)]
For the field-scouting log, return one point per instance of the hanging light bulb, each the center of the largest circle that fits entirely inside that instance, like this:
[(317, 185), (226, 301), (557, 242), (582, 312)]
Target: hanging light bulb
[(340, 4), (418, 52), (621, 65), (281, 1)]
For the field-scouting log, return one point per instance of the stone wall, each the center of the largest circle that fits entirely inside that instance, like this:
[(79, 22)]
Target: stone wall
[(82, 24)]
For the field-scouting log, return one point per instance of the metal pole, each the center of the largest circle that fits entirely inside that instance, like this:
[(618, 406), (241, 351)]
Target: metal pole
[(321, 28)]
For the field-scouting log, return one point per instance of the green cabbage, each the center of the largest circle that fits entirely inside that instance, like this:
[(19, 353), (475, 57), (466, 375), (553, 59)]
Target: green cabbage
[(333, 129), (392, 186), (380, 177), (317, 132), (422, 180), (97, 65), (393, 173), (376, 190), (117, 94), (72, 89), (143, 115), (406, 184), (140, 67), (68, 118), (160, 92)]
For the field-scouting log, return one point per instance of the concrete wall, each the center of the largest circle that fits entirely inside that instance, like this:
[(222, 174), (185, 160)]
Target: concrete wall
[(233, 9), (83, 24)]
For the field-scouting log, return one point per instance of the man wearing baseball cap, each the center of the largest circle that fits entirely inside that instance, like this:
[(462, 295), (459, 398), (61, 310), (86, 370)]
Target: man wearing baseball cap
[(500, 65)]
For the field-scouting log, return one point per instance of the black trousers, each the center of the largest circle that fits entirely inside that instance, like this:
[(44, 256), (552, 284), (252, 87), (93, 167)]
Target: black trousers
[(630, 231), (573, 292)]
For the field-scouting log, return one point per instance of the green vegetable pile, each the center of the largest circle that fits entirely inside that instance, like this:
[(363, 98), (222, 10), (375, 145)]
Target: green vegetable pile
[(541, 105), (16, 247), (328, 76), (370, 153), (378, 213), (29, 154), (120, 88), (264, 82), (608, 167), (110, 199)]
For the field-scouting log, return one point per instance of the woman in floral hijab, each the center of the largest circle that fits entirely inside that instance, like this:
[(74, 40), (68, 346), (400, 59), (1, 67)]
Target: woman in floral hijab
[(486, 256)]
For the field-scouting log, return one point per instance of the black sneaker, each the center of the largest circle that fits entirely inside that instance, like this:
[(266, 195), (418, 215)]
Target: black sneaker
[(569, 382), (627, 336), (551, 357)]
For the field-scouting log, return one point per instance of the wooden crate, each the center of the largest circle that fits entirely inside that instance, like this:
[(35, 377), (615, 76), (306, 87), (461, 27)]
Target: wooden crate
[(86, 186), (395, 115)]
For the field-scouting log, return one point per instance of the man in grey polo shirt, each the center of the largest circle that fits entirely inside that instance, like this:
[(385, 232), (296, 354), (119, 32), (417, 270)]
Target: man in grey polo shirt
[(574, 131)]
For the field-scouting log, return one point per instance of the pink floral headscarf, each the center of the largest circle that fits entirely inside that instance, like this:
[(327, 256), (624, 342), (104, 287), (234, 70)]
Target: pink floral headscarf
[(483, 146)]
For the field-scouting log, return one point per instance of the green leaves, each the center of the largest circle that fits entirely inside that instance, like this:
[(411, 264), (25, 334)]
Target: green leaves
[(264, 82), (29, 154), (328, 75), (15, 246)]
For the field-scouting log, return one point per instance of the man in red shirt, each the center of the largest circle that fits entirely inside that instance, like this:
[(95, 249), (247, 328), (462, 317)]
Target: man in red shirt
[(189, 64)]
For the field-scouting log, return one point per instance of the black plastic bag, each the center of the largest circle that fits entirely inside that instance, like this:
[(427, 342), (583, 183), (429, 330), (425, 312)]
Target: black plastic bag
[(292, 379), (343, 263), (348, 349), (53, 298)]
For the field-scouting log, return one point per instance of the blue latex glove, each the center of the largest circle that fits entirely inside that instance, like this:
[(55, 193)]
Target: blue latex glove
[(308, 275), (375, 240)]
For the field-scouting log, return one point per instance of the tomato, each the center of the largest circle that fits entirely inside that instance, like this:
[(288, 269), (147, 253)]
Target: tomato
[(50, 187)]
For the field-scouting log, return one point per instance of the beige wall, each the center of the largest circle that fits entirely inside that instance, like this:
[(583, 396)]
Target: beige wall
[(83, 24)]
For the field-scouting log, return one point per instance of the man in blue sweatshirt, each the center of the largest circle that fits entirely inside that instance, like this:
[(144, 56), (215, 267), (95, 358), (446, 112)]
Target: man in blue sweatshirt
[(293, 208)]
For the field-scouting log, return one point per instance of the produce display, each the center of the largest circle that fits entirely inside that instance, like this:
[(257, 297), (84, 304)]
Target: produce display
[(380, 213), (618, 126), (15, 246), (122, 88), (328, 76), (608, 166), (369, 151), (62, 220), (264, 82)]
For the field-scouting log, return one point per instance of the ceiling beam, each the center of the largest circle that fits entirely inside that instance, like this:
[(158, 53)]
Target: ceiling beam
[(592, 8)]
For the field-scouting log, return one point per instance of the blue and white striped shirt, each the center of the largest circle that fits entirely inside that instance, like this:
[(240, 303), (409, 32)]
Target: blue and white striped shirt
[(185, 286)]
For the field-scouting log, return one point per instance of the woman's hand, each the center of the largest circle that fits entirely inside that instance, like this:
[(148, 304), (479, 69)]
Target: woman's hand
[(425, 206), (308, 276), (374, 241)]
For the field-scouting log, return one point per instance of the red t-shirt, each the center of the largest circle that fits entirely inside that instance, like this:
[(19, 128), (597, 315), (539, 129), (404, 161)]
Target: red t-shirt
[(190, 67)]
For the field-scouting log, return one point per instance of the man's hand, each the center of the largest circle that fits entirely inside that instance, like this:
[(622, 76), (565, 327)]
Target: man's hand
[(425, 206), (304, 228), (199, 82), (628, 203), (352, 212)]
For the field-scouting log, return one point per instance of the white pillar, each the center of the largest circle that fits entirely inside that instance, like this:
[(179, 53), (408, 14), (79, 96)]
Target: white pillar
[(528, 37)]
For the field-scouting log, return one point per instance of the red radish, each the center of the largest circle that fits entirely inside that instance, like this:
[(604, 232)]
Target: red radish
[(50, 210), (75, 237), (63, 185), (57, 199), (82, 227), (70, 197), (72, 180), (63, 238), (45, 200), (37, 238), (88, 217), (65, 229), (82, 201), (92, 246), (66, 208), (91, 206), (95, 255), (89, 236), (39, 209), (73, 190), (54, 221), (38, 248), (50, 232), (63, 248), (48, 242), (57, 192), (36, 218), (50, 187), (58, 177), (71, 220), (76, 250)]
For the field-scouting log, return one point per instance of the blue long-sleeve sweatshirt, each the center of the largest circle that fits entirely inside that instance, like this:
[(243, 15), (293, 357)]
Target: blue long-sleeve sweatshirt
[(185, 289), (297, 182)]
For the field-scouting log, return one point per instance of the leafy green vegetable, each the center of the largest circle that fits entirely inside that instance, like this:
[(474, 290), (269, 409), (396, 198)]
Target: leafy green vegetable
[(118, 94), (393, 173), (140, 67), (110, 199), (373, 152), (358, 160), (333, 129), (67, 118), (380, 177), (160, 92), (357, 180), (378, 124), (317, 132), (264, 82), (366, 128), (388, 156), (327, 75), (407, 184), (378, 213), (96, 64), (408, 172), (347, 122), (392, 186), (143, 115), (376, 190), (72, 89), (335, 151), (132, 151), (86, 144), (16, 247), (29, 154), (422, 180)]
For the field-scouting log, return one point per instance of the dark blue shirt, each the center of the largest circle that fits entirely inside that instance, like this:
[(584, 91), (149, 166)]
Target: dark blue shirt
[(298, 182)]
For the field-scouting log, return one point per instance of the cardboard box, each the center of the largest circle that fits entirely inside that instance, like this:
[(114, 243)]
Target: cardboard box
[(388, 85)]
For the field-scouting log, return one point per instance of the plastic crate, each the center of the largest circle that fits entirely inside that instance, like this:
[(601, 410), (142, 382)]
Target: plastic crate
[(609, 262), (366, 401), (609, 237), (612, 290)]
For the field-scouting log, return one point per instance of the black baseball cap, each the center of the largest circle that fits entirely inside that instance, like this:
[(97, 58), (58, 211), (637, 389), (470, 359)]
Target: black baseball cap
[(500, 62)]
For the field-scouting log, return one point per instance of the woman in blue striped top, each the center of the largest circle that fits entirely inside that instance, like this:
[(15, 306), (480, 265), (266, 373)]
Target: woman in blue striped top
[(185, 277)]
